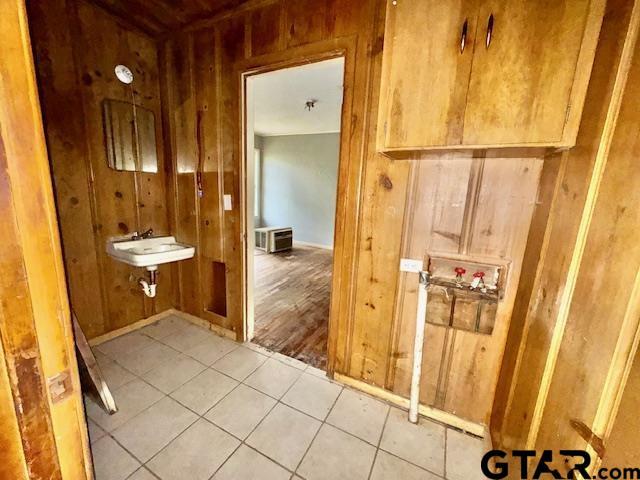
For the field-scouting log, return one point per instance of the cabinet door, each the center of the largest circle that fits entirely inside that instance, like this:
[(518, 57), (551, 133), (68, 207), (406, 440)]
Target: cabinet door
[(425, 72), (521, 82)]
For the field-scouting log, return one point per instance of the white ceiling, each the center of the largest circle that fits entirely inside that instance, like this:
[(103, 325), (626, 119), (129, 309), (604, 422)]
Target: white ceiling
[(279, 99)]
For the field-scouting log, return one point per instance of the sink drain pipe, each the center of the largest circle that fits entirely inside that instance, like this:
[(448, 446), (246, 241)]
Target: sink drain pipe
[(149, 287)]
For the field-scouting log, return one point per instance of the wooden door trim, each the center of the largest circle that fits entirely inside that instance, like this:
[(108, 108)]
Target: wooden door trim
[(573, 272), (344, 47), (35, 326)]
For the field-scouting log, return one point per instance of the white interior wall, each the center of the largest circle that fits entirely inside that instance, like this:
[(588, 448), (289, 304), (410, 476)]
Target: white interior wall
[(299, 185)]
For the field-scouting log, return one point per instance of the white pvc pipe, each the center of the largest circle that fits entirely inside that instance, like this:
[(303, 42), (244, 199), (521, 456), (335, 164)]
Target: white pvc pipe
[(421, 318)]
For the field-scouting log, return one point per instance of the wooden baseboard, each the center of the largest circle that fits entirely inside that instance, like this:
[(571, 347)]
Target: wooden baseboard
[(487, 439), (223, 332), (130, 328), (424, 410)]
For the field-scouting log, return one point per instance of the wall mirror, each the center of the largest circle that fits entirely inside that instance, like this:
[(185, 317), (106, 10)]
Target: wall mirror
[(130, 137)]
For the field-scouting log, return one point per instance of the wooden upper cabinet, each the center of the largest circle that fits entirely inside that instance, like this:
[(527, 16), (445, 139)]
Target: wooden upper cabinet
[(519, 80), (520, 88), (426, 71)]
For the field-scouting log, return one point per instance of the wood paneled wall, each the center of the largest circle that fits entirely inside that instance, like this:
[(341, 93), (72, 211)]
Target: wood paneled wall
[(202, 109), (77, 46), (385, 208), (576, 324), (470, 204), (477, 208), (625, 428)]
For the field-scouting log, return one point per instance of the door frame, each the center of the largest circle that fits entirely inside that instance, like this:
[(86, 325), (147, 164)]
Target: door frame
[(344, 47), (39, 370)]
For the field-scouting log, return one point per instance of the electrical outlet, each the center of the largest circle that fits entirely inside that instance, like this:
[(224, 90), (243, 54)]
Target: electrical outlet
[(227, 202), (411, 265)]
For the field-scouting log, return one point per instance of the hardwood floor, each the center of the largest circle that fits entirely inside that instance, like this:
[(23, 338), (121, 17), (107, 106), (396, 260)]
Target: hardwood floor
[(291, 295)]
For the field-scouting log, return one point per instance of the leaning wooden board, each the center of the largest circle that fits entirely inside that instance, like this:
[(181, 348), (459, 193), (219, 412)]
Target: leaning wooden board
[(95, 374)]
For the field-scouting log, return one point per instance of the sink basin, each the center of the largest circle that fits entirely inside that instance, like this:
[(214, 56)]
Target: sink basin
[(149, 252)]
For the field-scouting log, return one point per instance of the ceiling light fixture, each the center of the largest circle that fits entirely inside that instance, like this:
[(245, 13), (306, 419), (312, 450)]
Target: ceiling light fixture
[(124, 74)]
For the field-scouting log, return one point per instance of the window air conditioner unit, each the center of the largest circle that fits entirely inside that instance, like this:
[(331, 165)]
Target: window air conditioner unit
[(262, 239), (279, 239)]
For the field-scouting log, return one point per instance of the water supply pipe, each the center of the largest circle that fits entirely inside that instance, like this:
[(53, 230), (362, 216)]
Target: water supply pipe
[(421, 320)]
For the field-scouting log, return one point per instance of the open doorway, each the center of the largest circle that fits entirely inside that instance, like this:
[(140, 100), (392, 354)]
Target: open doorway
[(293, 120)]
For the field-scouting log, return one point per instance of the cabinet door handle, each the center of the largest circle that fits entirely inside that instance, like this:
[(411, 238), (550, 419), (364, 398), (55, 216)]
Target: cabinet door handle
[(463, 35), (489, 30)]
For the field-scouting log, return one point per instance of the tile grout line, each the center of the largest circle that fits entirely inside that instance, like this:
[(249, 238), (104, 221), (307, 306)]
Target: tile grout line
[(143, 467), (413, 464), (173, 438), (199, 417), (446, 441), (375, 455), (226, 460), (323, 423), (242, 441)]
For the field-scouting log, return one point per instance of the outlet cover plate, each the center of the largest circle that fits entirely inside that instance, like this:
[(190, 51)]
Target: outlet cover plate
[(411, 265)]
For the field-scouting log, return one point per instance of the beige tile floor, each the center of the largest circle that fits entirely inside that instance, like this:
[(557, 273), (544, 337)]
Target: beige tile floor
[(195, 406)]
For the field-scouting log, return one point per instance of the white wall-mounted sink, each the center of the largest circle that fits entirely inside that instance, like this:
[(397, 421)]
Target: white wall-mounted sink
[(149, 252)]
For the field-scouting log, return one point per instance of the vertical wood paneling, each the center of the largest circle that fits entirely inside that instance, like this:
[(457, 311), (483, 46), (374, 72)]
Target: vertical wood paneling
[(68, 151), (549, 183), (603, 317), (500, 228), (78, 46), (271, 28), (378, 257), (458, 365), (14, 465), (210, 161), (306, 21), (362, 68), (183, 120), (265, 29), (448, 208), (19, 338), (539, 318), (435, 180), (35, 327), (625, 428), (115, 192), (231, 49), (209, 164)]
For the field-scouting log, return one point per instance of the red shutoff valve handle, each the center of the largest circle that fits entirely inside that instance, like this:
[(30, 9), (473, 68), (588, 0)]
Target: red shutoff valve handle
[(460, 271), (479, 275)]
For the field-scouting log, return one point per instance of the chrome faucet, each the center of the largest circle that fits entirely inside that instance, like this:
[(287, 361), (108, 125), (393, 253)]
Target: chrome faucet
[(146, 234)]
